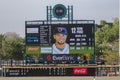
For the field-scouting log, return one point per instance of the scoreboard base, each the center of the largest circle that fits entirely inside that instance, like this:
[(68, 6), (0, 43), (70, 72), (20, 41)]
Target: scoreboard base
[(18, 71)]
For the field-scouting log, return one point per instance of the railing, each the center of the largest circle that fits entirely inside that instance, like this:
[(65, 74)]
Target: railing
[(108, 70)]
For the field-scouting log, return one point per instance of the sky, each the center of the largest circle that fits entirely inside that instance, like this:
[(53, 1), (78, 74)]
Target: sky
[(14, 13)]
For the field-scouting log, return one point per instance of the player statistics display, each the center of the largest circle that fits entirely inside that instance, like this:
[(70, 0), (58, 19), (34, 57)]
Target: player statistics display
[(60, 39)]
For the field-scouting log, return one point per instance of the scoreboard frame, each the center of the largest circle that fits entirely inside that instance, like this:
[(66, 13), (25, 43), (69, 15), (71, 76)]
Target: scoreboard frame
[(57, 22)]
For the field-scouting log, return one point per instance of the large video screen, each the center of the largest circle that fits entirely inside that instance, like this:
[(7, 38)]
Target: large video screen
[(60, 39)]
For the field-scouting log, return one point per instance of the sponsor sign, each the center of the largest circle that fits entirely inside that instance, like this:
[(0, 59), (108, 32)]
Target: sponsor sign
[(32, 30), (46, 49), (32, 49), (60, 57), (80, 71), (32, 40)]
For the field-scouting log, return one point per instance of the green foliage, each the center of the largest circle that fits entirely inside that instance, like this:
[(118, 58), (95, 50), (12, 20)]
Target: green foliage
[(106, 40), (1, 38), (13, 47), (111, 57), (103, 22)]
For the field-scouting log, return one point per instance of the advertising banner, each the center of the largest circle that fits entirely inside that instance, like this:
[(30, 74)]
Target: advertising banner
[(32, 49), (68, 58)]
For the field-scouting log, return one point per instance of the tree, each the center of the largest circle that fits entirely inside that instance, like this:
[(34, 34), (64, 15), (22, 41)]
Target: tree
[(1, 38), (11, 35), (103, 22), (106, 40), (111, 57), (13, 45)]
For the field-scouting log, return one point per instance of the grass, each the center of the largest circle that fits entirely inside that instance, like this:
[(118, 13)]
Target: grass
[(59, 78)]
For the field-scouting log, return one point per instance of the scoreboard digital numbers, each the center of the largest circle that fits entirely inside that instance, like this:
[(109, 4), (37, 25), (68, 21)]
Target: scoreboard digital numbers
[(80, 39)]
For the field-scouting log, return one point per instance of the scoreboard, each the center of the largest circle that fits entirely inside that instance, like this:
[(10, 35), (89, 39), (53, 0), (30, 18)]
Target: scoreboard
[(80, 38), (16, 72)]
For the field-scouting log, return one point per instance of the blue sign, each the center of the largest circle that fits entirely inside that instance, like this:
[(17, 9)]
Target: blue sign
[(32, 39)]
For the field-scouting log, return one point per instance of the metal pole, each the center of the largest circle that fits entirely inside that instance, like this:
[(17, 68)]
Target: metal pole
[(72, 13), (68, 14), (11, 61), (47, 13), (50, 13)]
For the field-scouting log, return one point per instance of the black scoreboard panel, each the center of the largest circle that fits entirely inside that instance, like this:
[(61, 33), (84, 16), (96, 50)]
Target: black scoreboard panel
[(10, 72), (80, 38)]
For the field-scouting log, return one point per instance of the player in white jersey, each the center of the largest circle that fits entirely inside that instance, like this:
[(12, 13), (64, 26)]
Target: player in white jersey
[(60, 46)]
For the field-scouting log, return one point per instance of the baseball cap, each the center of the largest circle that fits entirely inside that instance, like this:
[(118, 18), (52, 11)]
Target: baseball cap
[(61, 30)]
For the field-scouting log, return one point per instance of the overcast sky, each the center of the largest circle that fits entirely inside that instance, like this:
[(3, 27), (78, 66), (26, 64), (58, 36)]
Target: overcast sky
[(14, 13)]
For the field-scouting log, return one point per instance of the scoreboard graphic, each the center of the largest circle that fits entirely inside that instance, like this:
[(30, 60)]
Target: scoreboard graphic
[(40, 39)]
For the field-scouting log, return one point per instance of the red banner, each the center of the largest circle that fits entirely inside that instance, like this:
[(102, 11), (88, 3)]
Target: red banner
[(80, 71)]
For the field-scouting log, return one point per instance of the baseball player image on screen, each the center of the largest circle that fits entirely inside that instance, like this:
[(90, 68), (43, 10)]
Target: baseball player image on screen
[(60, 46)]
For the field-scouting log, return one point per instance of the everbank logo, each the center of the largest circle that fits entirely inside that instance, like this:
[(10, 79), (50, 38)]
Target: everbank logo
[(80, 71)]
